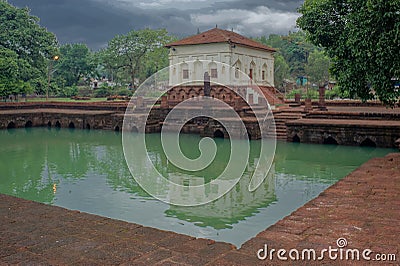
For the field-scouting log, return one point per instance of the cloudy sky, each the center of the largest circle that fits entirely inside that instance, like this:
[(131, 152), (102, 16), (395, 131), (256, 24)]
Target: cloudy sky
[(95, 22)]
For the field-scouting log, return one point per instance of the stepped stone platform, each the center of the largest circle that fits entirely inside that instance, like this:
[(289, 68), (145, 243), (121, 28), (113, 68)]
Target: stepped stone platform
[(363, 208)]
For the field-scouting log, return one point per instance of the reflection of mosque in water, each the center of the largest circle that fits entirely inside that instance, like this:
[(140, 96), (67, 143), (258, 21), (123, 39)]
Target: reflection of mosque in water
[(231, 208)]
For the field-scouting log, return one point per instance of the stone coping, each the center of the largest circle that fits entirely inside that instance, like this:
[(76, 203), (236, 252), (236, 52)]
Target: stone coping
[(364, 208), (345, 123)]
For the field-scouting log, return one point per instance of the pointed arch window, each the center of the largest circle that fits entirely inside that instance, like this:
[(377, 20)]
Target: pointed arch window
[(185, 71), (213, 70), (264, 72)]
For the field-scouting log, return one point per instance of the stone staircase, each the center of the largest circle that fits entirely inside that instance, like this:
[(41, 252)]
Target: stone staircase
[(283, 116)]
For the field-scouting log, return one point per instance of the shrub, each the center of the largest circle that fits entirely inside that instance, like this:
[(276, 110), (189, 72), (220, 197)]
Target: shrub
[(67, 91), (103, 91), (124, 92)]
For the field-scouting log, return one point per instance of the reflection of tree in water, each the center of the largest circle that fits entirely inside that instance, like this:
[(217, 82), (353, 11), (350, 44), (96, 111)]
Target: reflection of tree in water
[(110, 161), (42, 158), (69, 157), (325, 163), (24, 176)]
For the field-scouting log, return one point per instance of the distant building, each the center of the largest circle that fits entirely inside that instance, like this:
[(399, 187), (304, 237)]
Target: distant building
[(216, 45)]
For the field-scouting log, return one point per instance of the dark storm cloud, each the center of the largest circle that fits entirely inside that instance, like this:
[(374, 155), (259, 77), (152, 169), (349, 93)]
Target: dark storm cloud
[(95, 22), (80, 20), (288, 5)]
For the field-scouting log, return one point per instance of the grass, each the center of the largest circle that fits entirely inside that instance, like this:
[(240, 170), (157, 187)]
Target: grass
[(38, 99)]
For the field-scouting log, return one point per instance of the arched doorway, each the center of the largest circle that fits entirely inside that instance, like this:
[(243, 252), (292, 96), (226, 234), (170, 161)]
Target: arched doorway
[(368, 143), (218, 134), (71, 125), (252, 71), (28, 124), (330, 141), (11, 125), (134, 129), (58, 124), (296, 139)]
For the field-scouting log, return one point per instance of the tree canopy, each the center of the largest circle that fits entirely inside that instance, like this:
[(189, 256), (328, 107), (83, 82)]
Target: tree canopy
[(297, 57), (25, 47), (362, 37), (76, 61), (12, 73), (131, 52), (317, 67)]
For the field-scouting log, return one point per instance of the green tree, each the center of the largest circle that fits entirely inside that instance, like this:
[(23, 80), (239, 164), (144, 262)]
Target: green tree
[(12, 73), (317, 67), (130, 51), (294, 48), (281, 71), (362, 37), (33, 45), (76, 61)]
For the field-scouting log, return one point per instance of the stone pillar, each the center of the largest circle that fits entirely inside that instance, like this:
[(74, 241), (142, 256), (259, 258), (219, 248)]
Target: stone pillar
[(297, 98), (308, 105), (251, 98), (164, 102), (321, 103), (207, 85), (139, 102)]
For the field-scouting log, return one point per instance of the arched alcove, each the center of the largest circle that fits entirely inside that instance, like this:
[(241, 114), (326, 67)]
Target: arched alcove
[(198, 70), (11, 125), (252, 71), (185, 71), (213, 70), (28, 124), (238, 68), (264, 72), (218, 134), (330, 141), (368, 143)]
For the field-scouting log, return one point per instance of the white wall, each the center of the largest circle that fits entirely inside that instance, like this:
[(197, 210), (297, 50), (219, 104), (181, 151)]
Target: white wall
[(224, 53)]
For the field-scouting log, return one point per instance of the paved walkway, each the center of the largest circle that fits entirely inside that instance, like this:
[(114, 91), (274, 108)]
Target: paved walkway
[(364, 208)]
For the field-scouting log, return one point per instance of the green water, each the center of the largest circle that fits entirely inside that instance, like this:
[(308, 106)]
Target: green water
[(86, 171)]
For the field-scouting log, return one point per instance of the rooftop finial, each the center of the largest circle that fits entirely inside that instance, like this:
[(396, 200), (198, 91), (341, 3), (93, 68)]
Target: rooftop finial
[(198, 30), (216, 26)]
